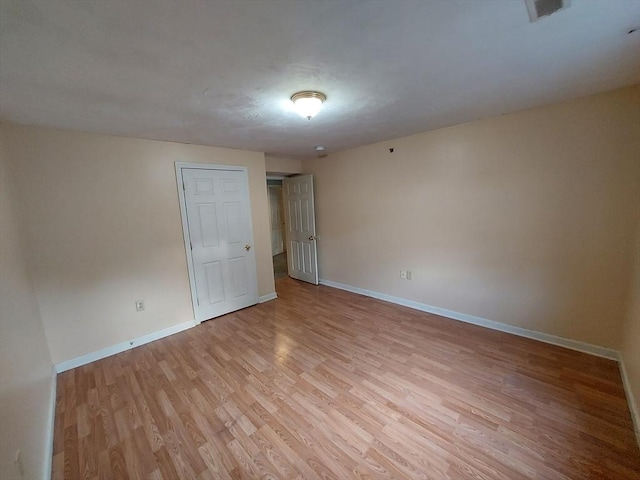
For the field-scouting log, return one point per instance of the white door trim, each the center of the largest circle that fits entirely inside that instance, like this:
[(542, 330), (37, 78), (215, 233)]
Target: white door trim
[(185, 226)]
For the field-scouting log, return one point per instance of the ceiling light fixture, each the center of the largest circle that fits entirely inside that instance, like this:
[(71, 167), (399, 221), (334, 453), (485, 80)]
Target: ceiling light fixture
[(308, 103)]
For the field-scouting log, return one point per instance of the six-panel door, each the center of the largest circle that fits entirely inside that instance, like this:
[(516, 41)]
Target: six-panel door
[(301, 228), (218, 216)]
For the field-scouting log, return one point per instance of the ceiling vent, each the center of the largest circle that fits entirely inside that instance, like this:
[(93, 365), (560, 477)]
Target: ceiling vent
[(543, 8)]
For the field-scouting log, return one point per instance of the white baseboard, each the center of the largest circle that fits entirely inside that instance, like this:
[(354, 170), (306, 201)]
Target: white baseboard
[(463, 317), (136, 342), (48, 453), (121, 347), (631, 400), (483, 322), (267, 297)]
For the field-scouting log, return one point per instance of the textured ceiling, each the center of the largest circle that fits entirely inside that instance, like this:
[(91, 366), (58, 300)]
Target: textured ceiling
[(221, 72)]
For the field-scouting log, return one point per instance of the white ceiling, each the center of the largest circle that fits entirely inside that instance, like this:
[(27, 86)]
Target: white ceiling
[(221, 72)]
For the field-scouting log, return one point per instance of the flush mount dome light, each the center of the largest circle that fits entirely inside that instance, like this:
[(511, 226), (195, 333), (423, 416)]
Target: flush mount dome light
[(308, 103)]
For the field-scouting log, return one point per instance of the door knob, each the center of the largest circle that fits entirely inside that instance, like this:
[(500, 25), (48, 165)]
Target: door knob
[(247, 247), (312, 237)]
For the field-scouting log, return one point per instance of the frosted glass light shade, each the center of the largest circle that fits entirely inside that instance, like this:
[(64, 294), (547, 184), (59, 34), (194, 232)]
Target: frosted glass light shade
[(308, 104)]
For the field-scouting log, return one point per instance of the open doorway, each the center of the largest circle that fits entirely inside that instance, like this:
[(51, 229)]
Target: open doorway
[(276, 219)]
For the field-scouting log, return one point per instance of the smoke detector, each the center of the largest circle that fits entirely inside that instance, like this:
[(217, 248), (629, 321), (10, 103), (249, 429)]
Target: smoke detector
[(544, 8)]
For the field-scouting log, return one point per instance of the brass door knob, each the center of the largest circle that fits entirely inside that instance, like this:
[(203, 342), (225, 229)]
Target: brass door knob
[(312, 237)]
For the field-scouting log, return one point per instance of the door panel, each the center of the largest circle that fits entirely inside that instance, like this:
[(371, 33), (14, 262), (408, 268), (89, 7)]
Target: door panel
[(215, 284), (208, 224), (233, 216), (294, 253), (301, 228), (219, 228), (238, 270), (307, 258)]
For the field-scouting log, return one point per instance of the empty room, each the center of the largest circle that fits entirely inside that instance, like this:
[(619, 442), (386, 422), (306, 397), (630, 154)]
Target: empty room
[(287, 239)]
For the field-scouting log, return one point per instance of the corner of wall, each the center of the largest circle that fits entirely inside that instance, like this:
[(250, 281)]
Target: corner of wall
[(28, 386), (630, 347)]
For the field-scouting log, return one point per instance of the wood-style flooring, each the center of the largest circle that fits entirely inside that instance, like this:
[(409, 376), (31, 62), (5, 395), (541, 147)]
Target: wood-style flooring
[(322, 383)]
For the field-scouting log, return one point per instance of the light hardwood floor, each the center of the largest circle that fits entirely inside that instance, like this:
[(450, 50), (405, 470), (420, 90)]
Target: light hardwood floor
[(322, 383)]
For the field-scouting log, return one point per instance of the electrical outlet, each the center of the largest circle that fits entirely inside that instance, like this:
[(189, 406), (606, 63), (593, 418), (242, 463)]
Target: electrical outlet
[(405, 274), (139, 305)]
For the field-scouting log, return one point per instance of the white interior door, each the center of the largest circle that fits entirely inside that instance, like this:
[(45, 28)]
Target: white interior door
[(220, 240), (277, 219), (302, 254)]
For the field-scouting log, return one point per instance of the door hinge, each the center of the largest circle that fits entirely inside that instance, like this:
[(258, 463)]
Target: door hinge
[(198, 301), (184, 189), (191, 245)]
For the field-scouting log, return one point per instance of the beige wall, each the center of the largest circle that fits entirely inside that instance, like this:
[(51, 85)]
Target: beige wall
[(26, 381), (630, 349), (103, 229), (526, 219), (282, 166)]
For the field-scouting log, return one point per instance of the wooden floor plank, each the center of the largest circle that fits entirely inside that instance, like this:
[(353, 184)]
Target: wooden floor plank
[(322, 384)]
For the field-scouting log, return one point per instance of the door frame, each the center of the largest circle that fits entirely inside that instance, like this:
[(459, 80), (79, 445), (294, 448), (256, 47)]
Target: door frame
[(185, 223)]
